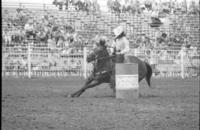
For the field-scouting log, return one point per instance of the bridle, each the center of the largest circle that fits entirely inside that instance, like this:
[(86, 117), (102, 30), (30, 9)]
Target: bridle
[(104, 57), (96, 58)]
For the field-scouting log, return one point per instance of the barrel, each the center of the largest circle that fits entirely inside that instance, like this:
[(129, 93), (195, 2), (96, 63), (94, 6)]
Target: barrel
[(126, 81)]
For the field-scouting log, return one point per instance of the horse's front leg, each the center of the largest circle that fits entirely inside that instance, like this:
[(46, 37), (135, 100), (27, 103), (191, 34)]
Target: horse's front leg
[(89, 80), (86, 86), (91, 85)]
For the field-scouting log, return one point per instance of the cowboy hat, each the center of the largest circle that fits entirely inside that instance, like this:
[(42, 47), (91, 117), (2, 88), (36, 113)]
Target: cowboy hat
[(118, 30)]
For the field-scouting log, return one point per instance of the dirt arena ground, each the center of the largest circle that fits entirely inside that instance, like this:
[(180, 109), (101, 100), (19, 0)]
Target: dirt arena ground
[(39, 104)]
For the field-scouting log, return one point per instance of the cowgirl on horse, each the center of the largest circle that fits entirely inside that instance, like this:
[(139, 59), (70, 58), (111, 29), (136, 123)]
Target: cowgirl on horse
[(104, 69), (120, 45)]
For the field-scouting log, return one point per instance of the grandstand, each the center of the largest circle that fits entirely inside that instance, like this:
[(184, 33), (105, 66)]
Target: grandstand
[(93, 23), (78, 28)]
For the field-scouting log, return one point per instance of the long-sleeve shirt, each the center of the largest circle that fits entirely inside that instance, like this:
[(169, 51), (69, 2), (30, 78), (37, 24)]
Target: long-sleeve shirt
[(122, 45)]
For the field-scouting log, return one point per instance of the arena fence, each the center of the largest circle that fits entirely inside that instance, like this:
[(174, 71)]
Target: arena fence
[(32, 61), (171, 63)]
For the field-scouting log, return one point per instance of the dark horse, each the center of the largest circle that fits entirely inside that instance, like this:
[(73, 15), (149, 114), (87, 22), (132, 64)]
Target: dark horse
[(104, 72)]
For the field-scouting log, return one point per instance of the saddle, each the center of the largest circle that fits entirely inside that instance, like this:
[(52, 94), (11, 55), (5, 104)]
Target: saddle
[(118, 58)]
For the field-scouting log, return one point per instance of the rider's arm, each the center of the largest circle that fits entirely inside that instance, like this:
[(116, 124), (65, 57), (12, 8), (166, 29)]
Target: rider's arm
[(112, 49), (126, 44)]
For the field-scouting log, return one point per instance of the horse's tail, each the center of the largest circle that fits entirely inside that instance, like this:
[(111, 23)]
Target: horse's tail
[(149, 74)]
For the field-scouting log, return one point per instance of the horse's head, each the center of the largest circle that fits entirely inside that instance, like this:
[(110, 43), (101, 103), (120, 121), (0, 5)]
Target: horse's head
[(101, 57), (98, 53), (99, 50)]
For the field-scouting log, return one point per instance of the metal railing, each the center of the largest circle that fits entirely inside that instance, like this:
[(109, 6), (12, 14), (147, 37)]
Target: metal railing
[(30, 61), (172, 63)]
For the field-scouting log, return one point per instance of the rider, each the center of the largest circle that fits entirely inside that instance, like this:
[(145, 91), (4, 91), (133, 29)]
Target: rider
[(120, 44)]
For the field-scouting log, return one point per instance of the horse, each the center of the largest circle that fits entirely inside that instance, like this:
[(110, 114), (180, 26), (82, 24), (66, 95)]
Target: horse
[(104, 70)]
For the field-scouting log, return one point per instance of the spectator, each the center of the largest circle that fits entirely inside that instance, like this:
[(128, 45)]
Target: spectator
[(96, 6), (7, 36), (164, 55), (193, 51), (51, 43), (155, 21), (114, 5), (183, 52), (29, 28), (148, 5)]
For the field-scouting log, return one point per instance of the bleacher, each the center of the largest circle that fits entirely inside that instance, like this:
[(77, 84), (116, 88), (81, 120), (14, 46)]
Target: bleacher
[(89, 24)]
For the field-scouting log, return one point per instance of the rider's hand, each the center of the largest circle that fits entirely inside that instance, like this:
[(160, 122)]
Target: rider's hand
[(118, 50), (118, 53)]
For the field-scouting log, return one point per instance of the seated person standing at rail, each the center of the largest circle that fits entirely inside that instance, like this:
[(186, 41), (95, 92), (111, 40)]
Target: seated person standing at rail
[(30, 29)]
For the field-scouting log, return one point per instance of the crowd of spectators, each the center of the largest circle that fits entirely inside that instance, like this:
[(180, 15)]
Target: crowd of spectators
[(132, 6), (172, 6), (157, 9), (50, 31), (48, 28), (79, 5), (45, 30)]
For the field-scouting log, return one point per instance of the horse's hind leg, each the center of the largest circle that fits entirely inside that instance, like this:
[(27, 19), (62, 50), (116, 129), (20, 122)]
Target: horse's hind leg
[(86, 86), (148, 80), (148, 75)]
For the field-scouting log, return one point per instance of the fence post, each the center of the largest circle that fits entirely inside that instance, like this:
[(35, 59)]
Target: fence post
[(84, 62), (29, 60), (182, 64)]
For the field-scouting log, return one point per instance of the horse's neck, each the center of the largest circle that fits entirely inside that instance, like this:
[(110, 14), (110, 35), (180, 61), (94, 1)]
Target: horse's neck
[(131, 59), (103, 61)]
